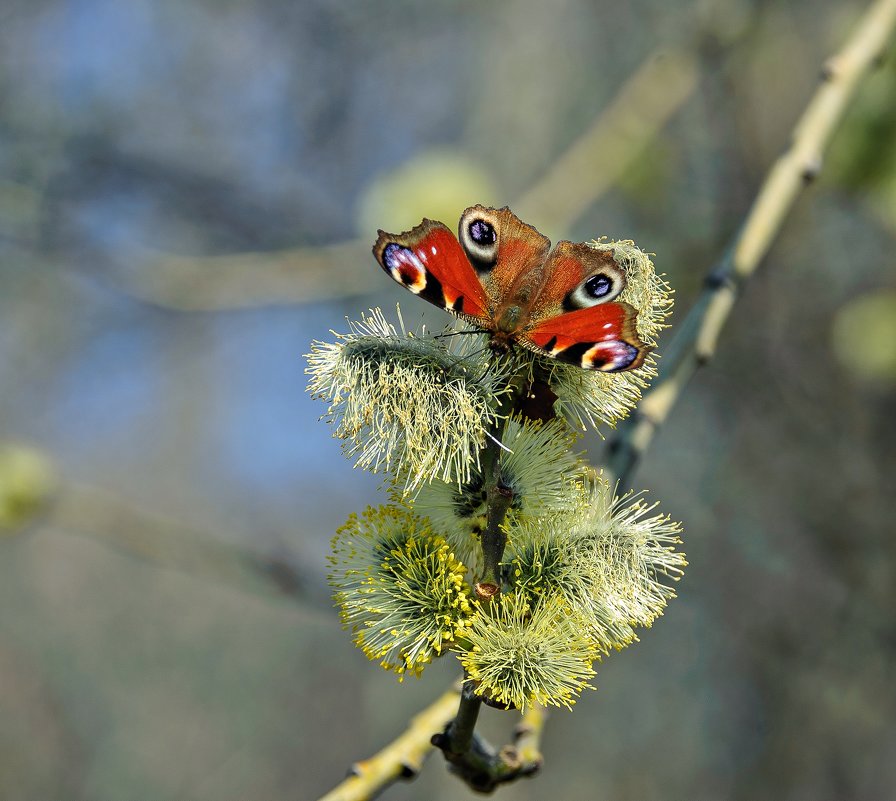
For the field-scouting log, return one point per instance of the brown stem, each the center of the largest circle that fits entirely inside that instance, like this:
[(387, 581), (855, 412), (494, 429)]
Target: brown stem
[(483, 767), (458, 735)]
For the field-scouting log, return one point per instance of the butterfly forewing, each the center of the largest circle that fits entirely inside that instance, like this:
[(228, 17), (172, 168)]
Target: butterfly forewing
[(509, 255), (429, 261)]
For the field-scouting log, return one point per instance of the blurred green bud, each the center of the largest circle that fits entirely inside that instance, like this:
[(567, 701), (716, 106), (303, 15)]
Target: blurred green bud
[(863, 337), (436, 183), (27, 481)]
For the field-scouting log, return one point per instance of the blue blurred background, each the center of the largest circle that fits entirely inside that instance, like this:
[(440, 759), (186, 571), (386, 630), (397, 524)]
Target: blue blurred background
[(188, 195)]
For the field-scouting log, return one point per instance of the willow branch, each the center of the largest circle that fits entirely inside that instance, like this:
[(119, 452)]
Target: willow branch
[(401, 759), (695, 343)]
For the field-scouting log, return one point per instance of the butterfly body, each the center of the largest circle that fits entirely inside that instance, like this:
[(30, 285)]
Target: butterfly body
[(501, 275)]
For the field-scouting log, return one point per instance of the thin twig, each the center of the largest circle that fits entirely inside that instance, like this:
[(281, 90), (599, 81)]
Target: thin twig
[(457, 738), (401, 759), (695, 342), (472, 758), (498, 500)]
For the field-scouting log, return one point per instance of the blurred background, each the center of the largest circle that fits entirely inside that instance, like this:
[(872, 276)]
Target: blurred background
[(188, 195)]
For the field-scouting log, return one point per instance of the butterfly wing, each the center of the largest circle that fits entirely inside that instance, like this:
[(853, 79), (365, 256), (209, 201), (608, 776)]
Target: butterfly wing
[(575, 317), (597, 338), (507, 254), (498, 263), (429, 261)]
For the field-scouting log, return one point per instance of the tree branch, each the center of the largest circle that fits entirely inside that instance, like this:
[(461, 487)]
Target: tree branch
[(695, 342), (479, 764), (401, 759), (107, 518)]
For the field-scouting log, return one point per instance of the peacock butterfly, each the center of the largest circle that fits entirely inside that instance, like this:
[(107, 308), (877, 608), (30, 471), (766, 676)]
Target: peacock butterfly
[(501, 275)]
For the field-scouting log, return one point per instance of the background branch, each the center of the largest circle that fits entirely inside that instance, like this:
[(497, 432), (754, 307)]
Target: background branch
[(401, 759), (585, 172), (105, 517), (600, 157), (697, 337)]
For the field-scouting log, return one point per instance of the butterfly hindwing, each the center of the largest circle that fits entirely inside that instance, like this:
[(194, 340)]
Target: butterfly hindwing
[(601, 337), (429, 261), (578, 276)]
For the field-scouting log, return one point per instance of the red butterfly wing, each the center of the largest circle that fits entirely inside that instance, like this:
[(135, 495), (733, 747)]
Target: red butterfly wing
[(429, 261), (601, 337)]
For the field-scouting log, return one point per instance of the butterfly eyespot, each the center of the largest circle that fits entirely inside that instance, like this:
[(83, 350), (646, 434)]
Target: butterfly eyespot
[(405, 267), (595, 289), (598, 286), (613, 356), (390, 254), (482, 233), (479, 239), (608, 356)]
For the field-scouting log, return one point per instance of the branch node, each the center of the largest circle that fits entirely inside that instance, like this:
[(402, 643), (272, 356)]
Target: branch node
[(703, 357), (649, 419), (510, 757), (829, 70), (439, 740), (485, 590), (811, 169), (719, 277)]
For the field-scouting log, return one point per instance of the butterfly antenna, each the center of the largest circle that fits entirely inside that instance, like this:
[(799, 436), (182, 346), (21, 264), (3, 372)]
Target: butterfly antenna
[(494, 365), (446, 334), (498, 442)]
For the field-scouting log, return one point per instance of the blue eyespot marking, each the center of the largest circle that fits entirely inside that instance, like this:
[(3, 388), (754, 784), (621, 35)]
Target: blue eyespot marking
[(598, 285)]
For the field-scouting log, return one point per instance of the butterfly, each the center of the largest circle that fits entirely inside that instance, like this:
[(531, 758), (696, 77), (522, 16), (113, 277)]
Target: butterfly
[(501, 275)]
